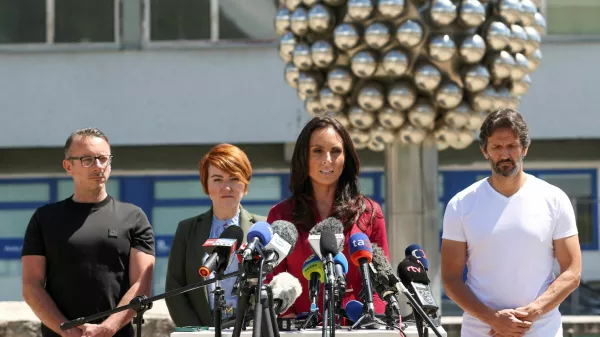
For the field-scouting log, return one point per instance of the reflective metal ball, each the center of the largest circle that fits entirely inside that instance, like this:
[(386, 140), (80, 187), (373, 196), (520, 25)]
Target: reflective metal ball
[(330, 100), (361, 119), (382, 134), (291, 73), (360, 10), (498, 35), (377, 35), (476, 78), (287, 43), (448, 95), (346, 36), (395, 62), (360, 138), (520, 87), (282, 21), (313, 107), (442, 48), (301, 56), (427, 77), (521, 67), (322, 53), (443, 12), (422, 114), (472, 13), (459, 116), (410, 33), (502, 65), (339, 80), (320, 18), (390, 118), (364, 64), (510, 10), (371, 97), (401, 95), (299, 21), (390, 9), (472, 49), (410, 134), (309, 83)]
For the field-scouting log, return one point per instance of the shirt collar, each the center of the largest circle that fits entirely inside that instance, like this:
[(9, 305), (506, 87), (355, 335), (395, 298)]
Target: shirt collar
[(227, 222)]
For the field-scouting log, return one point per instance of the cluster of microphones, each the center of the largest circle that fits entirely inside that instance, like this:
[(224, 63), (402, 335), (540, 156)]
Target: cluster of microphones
[(260, 303)]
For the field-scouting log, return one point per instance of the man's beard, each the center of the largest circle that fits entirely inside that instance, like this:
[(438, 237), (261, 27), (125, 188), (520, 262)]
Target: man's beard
[(506, 172)]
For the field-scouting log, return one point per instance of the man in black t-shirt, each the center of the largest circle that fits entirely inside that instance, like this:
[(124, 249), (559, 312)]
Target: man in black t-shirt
[(89, 253)]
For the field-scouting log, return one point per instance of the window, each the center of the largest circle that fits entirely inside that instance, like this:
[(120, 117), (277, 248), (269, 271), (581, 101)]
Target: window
[(84, 21), (66, 188), (573, 17), (579, 189), (25, 192), (22, 21), (59, 21), (189, 20)]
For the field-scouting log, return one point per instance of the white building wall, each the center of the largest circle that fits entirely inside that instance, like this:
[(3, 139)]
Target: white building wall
[(236, 95)]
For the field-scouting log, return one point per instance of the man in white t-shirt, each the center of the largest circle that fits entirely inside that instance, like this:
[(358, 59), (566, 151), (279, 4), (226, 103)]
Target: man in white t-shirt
[(508, 229)]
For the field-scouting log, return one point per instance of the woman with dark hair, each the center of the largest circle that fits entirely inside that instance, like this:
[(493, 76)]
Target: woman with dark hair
[(324, 183)]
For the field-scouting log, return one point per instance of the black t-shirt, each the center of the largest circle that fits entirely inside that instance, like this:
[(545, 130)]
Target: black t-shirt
[(87, 248)]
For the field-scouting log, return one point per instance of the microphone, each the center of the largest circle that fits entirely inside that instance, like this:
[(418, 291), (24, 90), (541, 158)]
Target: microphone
[(414, 277), (361, 254), (384, 279), (341, 269), (329, 249), (354, 310), (221, 250), (286, 289), (330, 224), (312, 269), (418, 252), (282, 243), (259, 234)]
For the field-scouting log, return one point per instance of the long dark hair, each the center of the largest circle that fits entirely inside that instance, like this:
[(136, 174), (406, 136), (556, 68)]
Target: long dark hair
[(348, 203)]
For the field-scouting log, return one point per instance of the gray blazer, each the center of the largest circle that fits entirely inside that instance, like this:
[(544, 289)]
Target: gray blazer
[(186, 257)]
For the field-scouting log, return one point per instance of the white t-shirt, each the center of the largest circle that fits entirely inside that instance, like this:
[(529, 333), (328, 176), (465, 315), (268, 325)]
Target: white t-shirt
[(510, 252)]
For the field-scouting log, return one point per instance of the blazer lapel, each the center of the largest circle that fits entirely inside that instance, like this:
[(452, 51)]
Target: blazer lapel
[(204, 224), (246, 221)]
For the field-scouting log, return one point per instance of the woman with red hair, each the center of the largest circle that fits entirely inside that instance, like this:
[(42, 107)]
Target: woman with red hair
[(225, 173)]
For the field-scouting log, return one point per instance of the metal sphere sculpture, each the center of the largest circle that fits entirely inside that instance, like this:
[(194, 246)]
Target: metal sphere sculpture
[(406, 69)]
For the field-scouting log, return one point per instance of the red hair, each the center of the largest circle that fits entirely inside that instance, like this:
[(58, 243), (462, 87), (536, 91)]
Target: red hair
[(228, 158)]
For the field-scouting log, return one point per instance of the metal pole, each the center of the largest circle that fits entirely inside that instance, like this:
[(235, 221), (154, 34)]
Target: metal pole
[(411, 205)]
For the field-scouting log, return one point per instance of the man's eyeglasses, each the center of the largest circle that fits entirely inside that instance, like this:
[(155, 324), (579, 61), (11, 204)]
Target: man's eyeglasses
[(89, 161)]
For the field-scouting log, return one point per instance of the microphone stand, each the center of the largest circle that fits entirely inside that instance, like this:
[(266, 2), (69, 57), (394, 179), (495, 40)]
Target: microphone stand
[(141, 304), (219, 299), (265, 318), (419, 310), (328, 299)]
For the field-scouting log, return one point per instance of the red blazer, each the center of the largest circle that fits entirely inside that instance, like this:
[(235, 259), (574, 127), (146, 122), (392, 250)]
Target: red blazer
[(375, 230)]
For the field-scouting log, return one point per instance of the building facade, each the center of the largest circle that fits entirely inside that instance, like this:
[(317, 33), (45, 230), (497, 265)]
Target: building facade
[(166, 79)]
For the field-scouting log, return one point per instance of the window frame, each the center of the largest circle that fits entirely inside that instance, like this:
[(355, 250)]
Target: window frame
[(213, 42), (50, 44)]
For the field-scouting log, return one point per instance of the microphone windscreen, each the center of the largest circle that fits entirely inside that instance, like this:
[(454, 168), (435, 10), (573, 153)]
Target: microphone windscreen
[(360, 247), (381, 264), (286, 288), (313, 265), (233, 232), (410, 270), (341, 259), (354, 310), (331, 224), (286, 231), (418, 252), (328, 243), (261, 230)]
